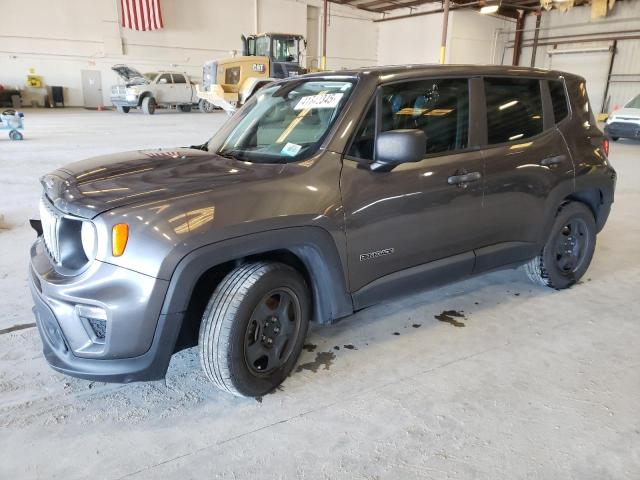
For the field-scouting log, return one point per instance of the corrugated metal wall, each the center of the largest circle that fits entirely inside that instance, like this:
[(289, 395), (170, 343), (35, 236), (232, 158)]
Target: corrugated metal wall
[(578, 31)]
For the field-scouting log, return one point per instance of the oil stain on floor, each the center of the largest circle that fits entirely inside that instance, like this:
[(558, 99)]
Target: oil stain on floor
[(323, 359), (309, 347), (449, 316), (15, 328)]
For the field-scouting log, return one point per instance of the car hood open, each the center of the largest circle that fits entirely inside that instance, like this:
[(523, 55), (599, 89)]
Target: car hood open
[(129, 74), (93, 186)]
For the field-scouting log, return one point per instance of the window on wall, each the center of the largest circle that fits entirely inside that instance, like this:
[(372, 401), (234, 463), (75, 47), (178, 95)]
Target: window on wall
[(514, 109), (558, 99)]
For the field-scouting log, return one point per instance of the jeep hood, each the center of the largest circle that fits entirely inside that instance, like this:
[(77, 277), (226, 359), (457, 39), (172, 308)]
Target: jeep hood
[(129, 74), (93, 186)]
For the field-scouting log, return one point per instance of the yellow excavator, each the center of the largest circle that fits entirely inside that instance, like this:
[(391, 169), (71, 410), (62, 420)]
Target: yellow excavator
[(230, 82)]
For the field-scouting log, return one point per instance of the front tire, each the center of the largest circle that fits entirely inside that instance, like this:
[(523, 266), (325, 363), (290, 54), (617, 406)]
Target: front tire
[(253, 328), (615, 139), (123, 109), (184, 108), (568, 251), (149, 105)]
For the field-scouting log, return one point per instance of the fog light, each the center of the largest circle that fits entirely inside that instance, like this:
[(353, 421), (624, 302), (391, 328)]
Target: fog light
[(96, 317)]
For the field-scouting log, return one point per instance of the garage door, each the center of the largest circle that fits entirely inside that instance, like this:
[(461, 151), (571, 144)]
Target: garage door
[(592, 64)]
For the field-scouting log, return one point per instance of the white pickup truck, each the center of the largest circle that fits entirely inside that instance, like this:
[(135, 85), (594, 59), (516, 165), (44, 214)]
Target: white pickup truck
[(149, 90)]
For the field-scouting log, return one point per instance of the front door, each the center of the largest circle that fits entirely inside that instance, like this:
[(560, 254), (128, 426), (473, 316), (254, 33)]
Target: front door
[(417, 212), (165, 89)]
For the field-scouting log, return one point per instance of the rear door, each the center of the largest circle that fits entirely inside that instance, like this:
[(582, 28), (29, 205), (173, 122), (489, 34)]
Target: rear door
[(182, 88), (528, 169), (417, 212)]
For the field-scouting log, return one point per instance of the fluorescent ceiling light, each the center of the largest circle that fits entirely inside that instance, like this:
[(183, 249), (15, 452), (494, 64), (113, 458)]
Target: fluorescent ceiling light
[(489, 9), (507, 105)]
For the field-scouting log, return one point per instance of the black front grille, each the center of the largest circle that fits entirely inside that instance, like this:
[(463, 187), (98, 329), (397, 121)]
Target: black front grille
[(98, 326)]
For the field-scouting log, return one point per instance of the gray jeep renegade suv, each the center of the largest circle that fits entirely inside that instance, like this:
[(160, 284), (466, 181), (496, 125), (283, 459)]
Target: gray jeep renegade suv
[(323, 195)]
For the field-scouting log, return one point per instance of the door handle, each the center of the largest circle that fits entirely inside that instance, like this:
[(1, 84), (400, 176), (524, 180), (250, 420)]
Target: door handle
[(463, 179), (553, 161)]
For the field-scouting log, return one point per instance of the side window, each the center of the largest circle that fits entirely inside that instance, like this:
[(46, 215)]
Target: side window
[(514, 108), (165, 78), (438, 107), (558, 99), (364, 140), (178, 78)]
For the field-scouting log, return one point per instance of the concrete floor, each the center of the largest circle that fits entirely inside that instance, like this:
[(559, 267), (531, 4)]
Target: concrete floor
[(532, 384)]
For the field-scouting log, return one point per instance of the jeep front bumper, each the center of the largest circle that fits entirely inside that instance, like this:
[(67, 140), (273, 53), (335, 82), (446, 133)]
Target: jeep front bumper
[(134, 343)]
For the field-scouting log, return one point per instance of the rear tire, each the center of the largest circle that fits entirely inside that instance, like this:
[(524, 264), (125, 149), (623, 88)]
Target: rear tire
[(568, 251), (15, 135), (615, 139), (253, 328), (185, 108), (149, 105), (123, 109)]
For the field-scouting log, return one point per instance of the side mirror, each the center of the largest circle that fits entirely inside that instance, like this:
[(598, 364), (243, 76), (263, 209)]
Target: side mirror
[(162, 81), (399, 146)]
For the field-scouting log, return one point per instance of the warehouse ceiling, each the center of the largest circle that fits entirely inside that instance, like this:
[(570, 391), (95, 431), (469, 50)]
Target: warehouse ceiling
[(382, 6)]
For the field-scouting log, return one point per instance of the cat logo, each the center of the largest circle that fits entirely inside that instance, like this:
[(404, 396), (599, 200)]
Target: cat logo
[(258, 67), (373, 255)]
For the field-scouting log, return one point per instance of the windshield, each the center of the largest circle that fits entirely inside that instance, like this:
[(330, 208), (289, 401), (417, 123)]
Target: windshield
[(285, 49), (635, 103), (262, 46), (283, 123)]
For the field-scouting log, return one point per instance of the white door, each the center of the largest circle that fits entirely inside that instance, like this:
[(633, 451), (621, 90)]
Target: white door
[(92, 88), (592, 65)]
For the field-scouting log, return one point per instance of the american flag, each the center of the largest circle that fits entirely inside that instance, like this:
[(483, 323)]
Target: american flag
[(141, 14)]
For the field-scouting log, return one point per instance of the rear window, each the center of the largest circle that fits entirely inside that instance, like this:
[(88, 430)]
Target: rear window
[(514, 109), (558, 99), (177, 78)]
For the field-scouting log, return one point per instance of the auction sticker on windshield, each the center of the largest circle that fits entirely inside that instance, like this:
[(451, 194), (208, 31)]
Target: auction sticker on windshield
[(291, 149), (322, 100)]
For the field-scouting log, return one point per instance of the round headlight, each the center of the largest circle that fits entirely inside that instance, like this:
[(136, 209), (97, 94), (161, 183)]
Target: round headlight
[(89, 243)]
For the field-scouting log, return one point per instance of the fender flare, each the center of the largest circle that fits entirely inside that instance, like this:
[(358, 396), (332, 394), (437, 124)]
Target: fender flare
[(313, 246), (146, 93)]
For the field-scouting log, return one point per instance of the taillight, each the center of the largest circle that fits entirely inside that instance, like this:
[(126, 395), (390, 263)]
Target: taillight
[(605, 146)]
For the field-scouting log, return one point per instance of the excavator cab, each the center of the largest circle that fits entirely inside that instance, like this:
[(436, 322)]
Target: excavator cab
[(282, 49), (230, 82)]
